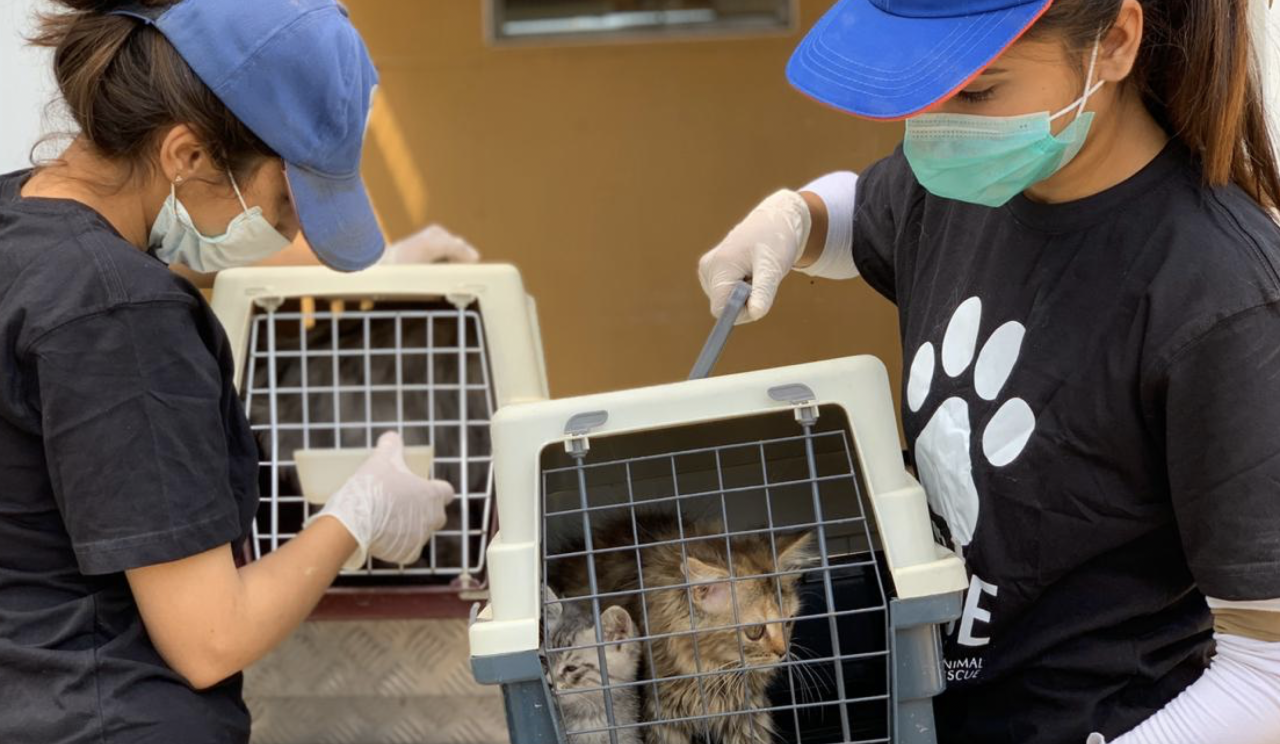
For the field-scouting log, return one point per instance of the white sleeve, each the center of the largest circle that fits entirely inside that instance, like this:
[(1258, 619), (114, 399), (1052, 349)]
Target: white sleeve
[(1236, 701), (838, 192)]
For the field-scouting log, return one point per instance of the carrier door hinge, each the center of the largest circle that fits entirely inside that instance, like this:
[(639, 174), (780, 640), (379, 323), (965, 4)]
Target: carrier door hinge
[(579, 427), (264, 300), (801, 398), (462, 297)]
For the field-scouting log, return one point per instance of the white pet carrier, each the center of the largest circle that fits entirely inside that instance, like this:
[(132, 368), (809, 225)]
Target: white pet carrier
[(326, 360), (811, 448)]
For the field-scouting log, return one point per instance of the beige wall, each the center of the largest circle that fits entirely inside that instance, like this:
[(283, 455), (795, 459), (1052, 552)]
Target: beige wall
[(603, 172)]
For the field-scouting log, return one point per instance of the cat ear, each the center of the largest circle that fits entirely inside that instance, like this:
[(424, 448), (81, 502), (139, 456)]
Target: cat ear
[(616, 625), (554, 608), (795, 551), (712, 598)]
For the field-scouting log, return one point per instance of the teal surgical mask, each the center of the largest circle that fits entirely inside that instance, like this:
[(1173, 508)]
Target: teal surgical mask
[(247, 240), (988, 160)]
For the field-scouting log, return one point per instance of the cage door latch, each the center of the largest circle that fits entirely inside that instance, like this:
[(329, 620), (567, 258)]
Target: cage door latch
[(265, 299), (801, 398), (578, 429)]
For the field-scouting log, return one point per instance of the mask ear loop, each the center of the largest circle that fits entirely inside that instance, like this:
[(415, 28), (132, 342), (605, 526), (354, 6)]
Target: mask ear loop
[(239, 196), (1090, 87), (173, 188)]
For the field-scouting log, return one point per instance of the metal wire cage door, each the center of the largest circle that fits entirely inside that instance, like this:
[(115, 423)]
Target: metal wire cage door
[(339, 378), (749, 568)]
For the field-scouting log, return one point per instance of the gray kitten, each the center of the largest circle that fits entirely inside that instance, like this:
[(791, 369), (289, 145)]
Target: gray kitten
[(571, 625)]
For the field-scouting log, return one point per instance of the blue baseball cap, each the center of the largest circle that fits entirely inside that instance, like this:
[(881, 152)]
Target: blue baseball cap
[(890, 59), (298, 75)]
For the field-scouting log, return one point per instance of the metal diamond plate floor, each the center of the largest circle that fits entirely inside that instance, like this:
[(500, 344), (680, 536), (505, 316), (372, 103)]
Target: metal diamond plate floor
[(373, 682)]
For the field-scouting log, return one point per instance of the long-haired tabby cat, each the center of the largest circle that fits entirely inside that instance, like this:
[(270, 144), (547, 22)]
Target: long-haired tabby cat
[(742, 656), (571, 625)]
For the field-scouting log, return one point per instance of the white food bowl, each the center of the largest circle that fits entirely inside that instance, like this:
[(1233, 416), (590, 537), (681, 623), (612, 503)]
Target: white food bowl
[(322, 472)]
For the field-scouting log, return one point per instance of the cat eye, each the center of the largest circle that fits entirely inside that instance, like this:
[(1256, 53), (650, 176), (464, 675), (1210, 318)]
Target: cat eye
[(755, 632), (570, 669)]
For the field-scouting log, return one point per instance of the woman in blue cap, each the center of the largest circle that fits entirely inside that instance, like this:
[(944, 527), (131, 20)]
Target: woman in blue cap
[(1078, 234), (210, 133)]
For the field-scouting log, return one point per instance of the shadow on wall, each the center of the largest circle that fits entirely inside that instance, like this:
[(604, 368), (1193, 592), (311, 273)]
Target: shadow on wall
[(603, 171)]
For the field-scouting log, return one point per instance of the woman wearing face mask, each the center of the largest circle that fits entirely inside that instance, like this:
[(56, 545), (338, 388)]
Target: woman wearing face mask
[(1076, 232), (210, 133)]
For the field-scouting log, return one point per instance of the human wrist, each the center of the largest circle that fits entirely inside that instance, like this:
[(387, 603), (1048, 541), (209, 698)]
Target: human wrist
[(352, 507), (816, 241), (786, 207), (830, 252), (338, 537), (358, 543)]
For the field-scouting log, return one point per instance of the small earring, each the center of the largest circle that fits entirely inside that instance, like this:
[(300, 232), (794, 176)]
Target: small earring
[(177, 181)]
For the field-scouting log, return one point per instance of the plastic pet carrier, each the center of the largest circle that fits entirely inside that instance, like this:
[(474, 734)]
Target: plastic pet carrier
[(741, 559), (326, 362)]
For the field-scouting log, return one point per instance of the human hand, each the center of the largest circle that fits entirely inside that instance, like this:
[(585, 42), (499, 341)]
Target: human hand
[(390, 511), (434, 244), (763, 247)]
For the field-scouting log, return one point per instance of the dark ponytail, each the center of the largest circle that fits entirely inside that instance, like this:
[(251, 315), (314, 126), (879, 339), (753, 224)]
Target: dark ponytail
[(124, 85), (1200, 78)]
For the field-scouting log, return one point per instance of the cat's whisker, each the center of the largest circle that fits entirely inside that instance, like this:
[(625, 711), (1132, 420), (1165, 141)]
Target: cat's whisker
[(797, 670), (802, 669), (725, 684), (796, 645), (812, 686), (814, 676), (810, 680)]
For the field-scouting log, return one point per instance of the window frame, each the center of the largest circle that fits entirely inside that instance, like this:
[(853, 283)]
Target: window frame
[(494, 10)]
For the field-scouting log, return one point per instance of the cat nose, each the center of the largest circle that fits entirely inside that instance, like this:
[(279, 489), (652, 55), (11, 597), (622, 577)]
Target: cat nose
[(777, 641)]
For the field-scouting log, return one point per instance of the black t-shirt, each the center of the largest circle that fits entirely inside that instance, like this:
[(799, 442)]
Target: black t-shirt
[(122, 444), (1092, 394)]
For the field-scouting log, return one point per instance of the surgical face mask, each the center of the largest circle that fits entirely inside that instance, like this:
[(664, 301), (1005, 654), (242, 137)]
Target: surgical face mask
[(248, 239), (988, 160)]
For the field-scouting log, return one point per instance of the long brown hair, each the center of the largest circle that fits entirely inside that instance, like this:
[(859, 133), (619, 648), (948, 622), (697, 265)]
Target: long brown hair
[(1199, 77), (124, 85)]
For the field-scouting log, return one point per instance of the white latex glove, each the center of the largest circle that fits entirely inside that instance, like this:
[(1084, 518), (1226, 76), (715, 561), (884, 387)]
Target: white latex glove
[(434, 244), (763, 247), (391, 512)]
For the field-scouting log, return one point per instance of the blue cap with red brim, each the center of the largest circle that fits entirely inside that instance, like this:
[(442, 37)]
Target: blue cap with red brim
[(890, 59), (298, 75)]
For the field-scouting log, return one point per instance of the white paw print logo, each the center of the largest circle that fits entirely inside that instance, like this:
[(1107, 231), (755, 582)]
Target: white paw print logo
[(942, 449)]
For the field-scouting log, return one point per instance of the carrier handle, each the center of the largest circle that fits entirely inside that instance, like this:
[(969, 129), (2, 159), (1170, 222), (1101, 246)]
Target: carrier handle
[(720, 333)]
